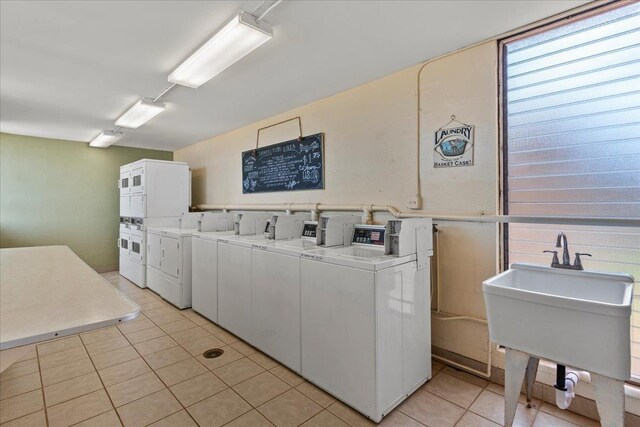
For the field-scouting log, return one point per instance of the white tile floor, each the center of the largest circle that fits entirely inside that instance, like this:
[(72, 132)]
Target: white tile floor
[(151, 371)]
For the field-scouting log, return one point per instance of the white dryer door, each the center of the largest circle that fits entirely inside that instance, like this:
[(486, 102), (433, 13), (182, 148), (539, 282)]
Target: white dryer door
[(138, 207), (125, 208), (154, 250), (136, 244), (124, 243), (124, 183), (171, 256), (137, 180)]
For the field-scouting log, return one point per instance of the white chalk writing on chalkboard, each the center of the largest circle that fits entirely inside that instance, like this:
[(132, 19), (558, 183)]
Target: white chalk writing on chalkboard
[(290, 165)]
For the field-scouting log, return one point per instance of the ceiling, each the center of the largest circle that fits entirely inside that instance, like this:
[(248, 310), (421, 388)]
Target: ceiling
[(68, 69)]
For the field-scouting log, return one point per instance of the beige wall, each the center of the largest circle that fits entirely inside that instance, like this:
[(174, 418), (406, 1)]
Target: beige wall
[(370, 157)]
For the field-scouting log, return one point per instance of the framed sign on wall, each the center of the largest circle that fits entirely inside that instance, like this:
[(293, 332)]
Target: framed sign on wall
[(288, 166), (454, 146)]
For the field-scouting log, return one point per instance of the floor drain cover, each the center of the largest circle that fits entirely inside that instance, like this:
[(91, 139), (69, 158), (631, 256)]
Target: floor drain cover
[(213, 353)]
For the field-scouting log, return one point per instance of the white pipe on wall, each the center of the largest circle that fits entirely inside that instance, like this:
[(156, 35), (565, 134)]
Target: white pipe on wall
[(368, 210), (487, 373)]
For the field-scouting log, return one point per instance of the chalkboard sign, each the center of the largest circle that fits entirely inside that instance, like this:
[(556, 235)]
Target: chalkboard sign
[(287, 166)]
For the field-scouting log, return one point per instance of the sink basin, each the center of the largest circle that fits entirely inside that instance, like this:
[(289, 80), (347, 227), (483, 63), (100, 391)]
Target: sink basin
[(576, 318)]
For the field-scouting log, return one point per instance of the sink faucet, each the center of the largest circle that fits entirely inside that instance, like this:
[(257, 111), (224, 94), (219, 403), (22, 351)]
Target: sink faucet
[(561, 242)]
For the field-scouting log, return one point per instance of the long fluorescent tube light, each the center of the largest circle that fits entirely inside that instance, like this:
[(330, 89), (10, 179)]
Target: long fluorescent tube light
[(105, 139), (237, 38), (140, 113)]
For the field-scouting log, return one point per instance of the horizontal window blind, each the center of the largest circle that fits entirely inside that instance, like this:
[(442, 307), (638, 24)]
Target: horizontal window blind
[(572, 111)]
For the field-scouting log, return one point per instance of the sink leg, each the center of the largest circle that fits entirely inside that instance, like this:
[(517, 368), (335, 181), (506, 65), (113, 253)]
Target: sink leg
[(530, 378), (609, 400), (516, 365)]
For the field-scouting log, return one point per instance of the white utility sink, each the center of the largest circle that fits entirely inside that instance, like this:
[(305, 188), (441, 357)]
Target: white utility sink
[(576, 318)]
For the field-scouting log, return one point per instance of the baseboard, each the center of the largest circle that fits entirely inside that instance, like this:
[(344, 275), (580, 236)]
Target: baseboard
[(106, 268)]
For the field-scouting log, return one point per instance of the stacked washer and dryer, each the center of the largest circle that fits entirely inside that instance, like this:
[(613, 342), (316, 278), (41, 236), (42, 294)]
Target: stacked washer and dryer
[(153, 193)]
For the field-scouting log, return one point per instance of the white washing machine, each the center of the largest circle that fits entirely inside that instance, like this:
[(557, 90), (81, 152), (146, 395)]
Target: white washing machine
[(204, 262), (169, 260), (365, 313), (235, 263), (275, 289), (234, 272)]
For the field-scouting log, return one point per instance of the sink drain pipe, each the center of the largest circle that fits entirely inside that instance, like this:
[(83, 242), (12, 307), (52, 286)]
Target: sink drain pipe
[(565, 383)]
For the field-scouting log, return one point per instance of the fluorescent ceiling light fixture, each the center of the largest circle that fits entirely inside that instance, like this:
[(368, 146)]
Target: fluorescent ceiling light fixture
[(140, 113), (237, 38), (105, 139)]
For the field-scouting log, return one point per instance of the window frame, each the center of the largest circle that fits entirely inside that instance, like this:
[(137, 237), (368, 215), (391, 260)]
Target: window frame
[(503, 146)]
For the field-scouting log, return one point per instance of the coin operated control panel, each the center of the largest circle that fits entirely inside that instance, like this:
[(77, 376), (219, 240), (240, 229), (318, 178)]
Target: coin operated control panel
[(283, 226), (336, 230), (216, 221), (370, 235), (249, 223), (190, 220), (310, 231), (410, 236)]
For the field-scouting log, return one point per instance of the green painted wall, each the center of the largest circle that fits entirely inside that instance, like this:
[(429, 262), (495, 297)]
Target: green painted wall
[(56, 192)]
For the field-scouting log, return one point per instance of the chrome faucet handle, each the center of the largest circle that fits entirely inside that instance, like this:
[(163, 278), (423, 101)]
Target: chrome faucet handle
[(555, 260), (578, 262)]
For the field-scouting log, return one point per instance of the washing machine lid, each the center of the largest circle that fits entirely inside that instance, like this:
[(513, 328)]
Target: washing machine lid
[(173, 231), (247, 240), (213, 235), (297, 244), (366, 258), (291, 247)]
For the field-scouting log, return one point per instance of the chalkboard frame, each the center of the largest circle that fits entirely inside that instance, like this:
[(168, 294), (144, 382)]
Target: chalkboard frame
[(321, 184)]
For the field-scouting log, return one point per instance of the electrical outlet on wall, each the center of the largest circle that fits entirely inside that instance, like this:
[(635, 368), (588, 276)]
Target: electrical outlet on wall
[(414, 202)]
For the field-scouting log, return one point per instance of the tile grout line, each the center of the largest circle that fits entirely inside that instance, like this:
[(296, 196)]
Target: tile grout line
[(113, 406), (24, 392), (397, 408), (489, 391), (151, 295), (228, 386), (44, 403), (265, 370), (153, 370), (211, 371), (484, 388), (443, 398), (21, 376)]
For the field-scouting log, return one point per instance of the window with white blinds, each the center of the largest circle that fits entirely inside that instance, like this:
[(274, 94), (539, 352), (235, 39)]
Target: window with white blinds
[(571, 103)]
